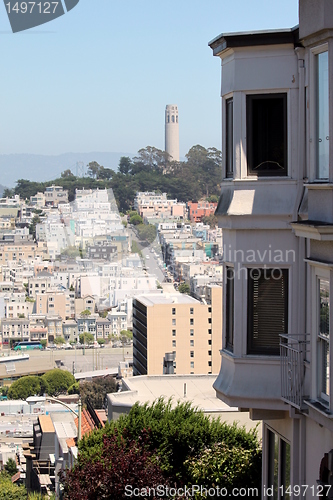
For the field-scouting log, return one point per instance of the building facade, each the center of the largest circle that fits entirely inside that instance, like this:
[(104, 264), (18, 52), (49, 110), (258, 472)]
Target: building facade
[(174, 333), (276, 214)]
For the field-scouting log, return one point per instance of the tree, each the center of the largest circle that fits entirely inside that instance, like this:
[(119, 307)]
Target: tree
[(213, 198), (184, 288), (135, 220), (27, 386), (10, 491), (86, 312), (126, 335), (125, 165), (147, 232), (58, 381), (122, 465), (59, 340), (44, 343), (86, 337), (211, 220), (101, 341), (96, 391), (11, 467), (94, 169), (177, 434), (67, 173)]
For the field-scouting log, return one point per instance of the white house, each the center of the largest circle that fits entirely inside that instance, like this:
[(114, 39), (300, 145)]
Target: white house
[(276, 214)]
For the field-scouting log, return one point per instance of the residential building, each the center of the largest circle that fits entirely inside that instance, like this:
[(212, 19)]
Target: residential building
[(54, 195), (38, 200), (175, 333), (13, 330), (70, 330), (200, 209), (86, 303), (54, 302), (276, 215)]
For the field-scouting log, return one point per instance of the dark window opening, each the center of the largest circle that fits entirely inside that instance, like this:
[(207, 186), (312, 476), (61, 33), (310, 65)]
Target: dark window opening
[(266, 117), (229, 106), (230, 309)]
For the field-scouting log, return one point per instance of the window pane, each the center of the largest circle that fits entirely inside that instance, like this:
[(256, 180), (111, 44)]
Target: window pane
[(229, 142), (267, 134), (230, 309), (322, 116), (267, 309), (324, 334)]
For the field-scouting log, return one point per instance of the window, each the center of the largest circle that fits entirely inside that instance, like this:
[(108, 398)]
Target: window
[(209, 363), (210, 342), (191, 310), (192, 364), (209, 353), (191, 321), (191, 332), (267, 310), (229, 137), (278, 465), (229, 338), (173, 322), (173, 310), (266, 122), (322, 116), (192, 354), (323, 338), (173, 333), (173, 343), (210, 331), (209, 320), (192, 343)]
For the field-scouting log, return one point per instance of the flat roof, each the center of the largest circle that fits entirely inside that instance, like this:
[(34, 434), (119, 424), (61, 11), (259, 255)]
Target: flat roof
[(147, 388), (166, 298), (46, 423), (254, 38)]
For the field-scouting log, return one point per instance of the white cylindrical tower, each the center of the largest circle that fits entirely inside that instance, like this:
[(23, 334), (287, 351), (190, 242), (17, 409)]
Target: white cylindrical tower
[(172, 131)]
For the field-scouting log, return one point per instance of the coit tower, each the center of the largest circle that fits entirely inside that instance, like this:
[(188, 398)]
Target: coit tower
[(172, 131)]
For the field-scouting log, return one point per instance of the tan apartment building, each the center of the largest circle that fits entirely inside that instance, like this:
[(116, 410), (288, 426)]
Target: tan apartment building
[(21, 250), (175, 333), (55, 195), (52, 302)]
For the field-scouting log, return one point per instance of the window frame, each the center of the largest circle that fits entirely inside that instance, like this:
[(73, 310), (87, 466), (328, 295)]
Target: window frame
[(249, 98), (260, 350), (322, 341)]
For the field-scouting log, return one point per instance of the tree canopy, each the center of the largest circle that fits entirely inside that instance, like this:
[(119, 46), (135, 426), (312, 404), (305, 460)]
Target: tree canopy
[(199, 176), (177, 445)]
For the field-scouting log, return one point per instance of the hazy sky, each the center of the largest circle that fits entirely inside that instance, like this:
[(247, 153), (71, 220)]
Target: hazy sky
[(99, 77)]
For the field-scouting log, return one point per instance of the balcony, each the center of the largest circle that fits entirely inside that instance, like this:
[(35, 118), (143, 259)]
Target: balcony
[(293, 349)]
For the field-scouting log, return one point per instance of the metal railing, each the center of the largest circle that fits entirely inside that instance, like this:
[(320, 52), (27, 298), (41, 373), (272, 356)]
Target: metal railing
[(293, 349)]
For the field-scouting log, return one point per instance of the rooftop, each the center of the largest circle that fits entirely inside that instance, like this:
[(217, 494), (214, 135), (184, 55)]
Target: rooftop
[(174, 298)]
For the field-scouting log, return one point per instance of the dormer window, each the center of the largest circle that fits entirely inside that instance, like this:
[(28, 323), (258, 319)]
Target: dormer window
[(266, 123)]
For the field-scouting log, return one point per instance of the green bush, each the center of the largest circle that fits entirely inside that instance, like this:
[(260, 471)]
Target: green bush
[(10, 491)]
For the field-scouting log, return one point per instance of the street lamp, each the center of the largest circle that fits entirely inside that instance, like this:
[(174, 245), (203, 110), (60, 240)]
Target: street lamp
[(55, 400)]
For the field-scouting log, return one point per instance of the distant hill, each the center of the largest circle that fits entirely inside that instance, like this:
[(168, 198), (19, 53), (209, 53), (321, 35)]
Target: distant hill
[(46, 168)]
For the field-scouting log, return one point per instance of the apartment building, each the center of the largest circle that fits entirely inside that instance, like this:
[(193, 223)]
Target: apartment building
[(53, 302), (174, 333), (20, 251), (14, 329), (55, 195), (276, 214), (198, 210)]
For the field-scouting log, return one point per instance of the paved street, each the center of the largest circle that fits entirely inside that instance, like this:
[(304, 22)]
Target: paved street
[(93, 359)]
